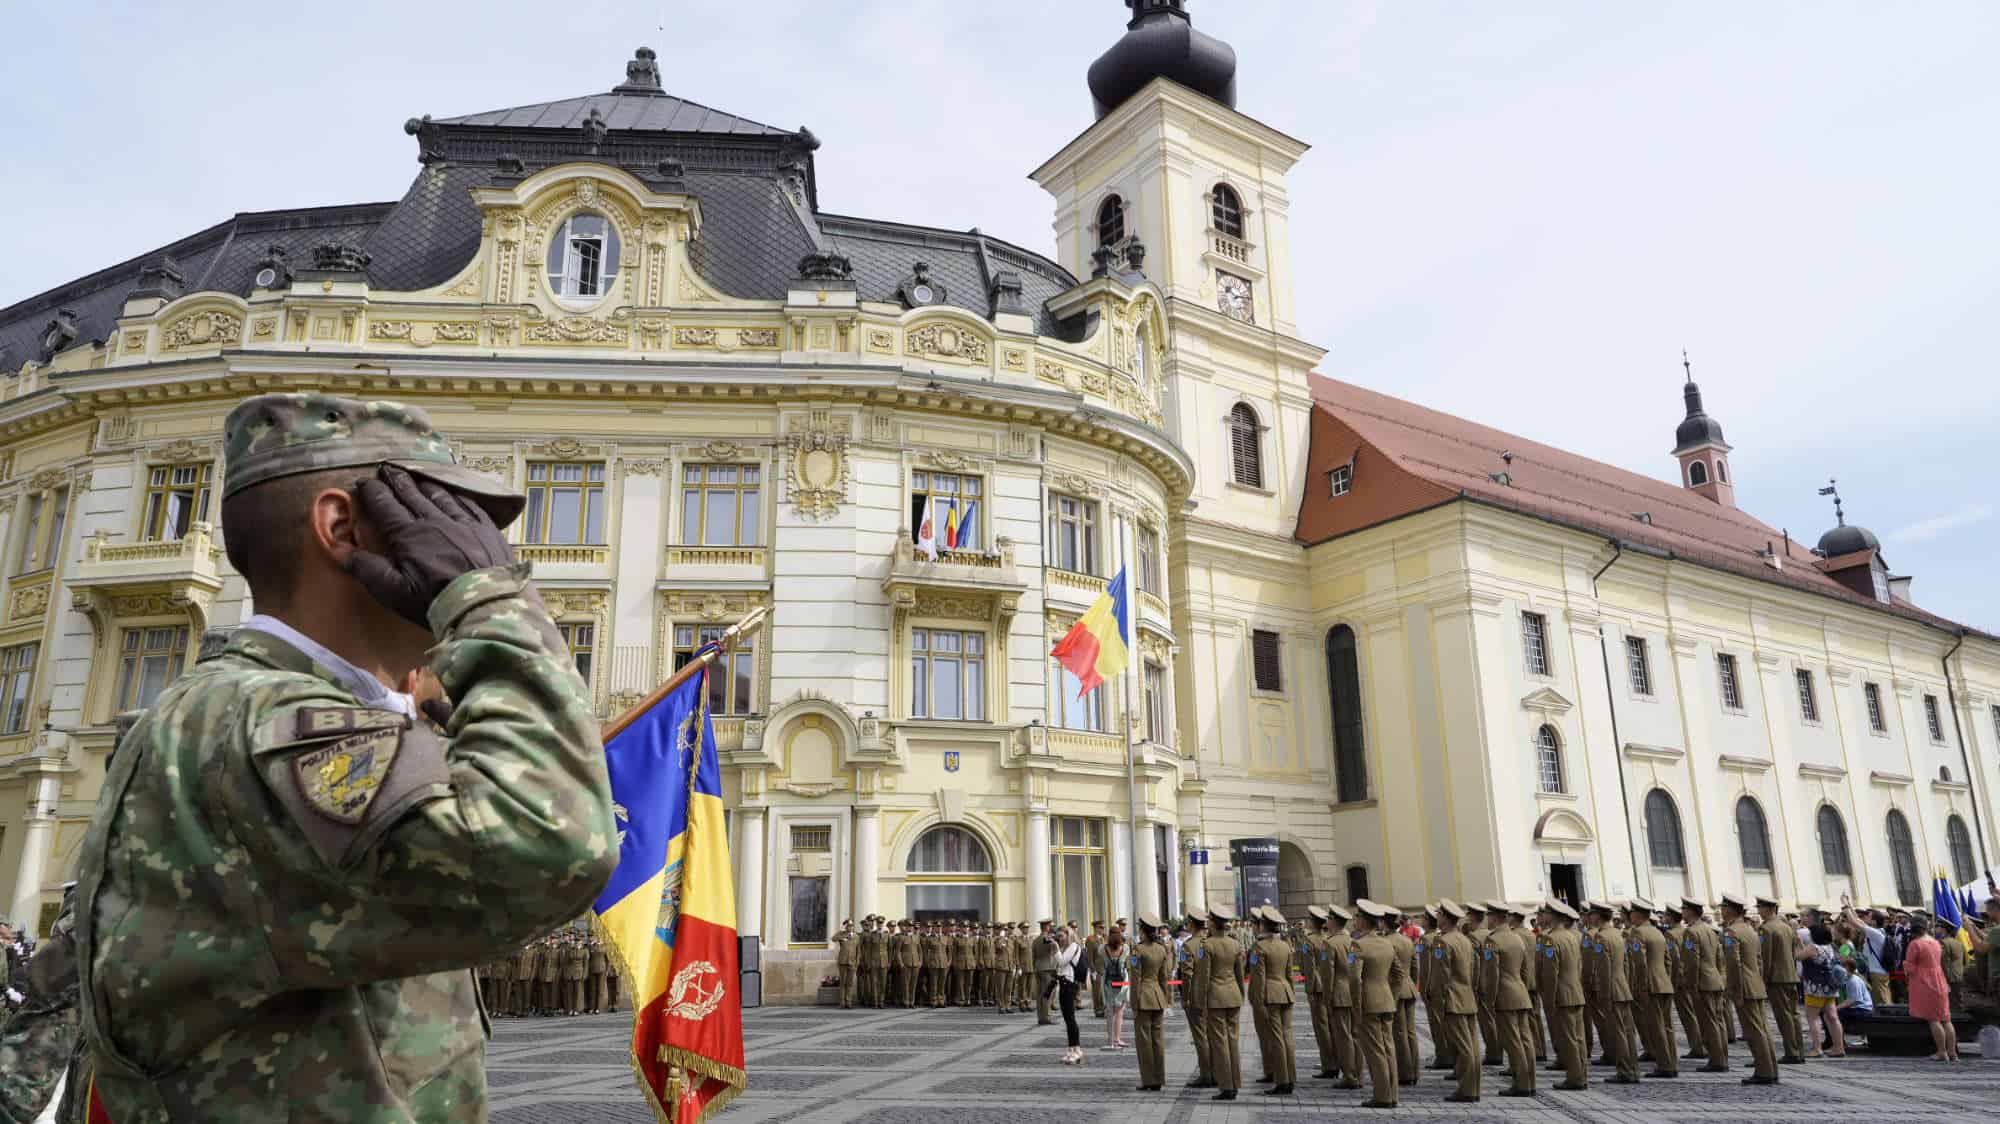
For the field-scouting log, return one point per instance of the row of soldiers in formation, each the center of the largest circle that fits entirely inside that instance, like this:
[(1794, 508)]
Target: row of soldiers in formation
[(563, 973), (944, 963), (1498, 981)]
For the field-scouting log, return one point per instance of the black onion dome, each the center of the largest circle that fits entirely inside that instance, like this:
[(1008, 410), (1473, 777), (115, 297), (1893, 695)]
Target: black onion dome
[(1846, 539), (1160, 42), (1698, 428)]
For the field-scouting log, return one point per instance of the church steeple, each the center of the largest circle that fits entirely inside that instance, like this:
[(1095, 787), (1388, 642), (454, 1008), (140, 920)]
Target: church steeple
[(1161, 42), (1700, 448)]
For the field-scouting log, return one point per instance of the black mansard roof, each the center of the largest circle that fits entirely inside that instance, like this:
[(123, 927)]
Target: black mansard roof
[(756, 184)]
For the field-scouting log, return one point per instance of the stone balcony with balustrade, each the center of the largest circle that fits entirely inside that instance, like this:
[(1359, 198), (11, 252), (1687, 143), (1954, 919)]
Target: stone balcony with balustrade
[(916, 582)]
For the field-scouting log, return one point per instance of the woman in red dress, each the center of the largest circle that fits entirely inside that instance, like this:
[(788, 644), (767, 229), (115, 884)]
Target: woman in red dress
[(1930, 999)]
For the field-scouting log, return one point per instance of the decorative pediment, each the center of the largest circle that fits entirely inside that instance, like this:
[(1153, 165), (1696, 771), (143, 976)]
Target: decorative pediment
[(1560, 825), (1545, 700), (1664, 753), (210, 328)]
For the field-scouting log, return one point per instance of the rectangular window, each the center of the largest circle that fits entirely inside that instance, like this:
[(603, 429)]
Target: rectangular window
[(954, 506), (565, 504), (809, 903), (1147, 544), (722, 505), (1072, 533), (1074, 712), (17, 679), (1077, 868), (58, 514), (731, 678), (1535, 642), (1872, 695), (1996, 721), (1637, 666), (176, 497), (813, 837), (1156, 703), (31, 534), (582, 641), (1808, 699), (1264, 660), (1933, 719), (1341, 480), (1732, 690), (947, 674), (149, 659)]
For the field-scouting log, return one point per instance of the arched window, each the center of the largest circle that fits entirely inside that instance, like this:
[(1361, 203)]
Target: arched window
[(1903, 856), (1549, 756), (950, 877), (1343, 683), (583, 259), (1663, 831), (1226, 210), (1833, 842), (1753, 838), (1246, 456), (1959, 842), (1111, 221), (1722, 471), (1697, 474)]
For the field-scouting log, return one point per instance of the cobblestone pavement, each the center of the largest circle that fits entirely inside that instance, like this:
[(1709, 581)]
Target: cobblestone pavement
[(976, 1067)]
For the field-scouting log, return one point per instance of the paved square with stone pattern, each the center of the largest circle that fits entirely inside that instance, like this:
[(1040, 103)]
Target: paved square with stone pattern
[(976, 1067)]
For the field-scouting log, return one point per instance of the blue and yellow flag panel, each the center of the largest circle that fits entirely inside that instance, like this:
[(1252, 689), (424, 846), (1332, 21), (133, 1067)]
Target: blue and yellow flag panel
[(670, 908)]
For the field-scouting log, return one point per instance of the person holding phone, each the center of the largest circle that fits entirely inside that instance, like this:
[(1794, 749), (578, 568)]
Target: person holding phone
[(290, 876)]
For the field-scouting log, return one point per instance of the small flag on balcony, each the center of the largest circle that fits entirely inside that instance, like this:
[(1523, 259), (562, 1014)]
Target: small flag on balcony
[(927, 531), (954, 530)]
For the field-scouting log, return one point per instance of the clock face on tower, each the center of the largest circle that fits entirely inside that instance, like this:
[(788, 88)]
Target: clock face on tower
[(1232, 296)]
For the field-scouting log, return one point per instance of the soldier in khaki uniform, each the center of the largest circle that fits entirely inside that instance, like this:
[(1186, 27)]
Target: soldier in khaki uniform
[(1779, 948), (1221, 974), (1614, 983), (964, 963), (1406, 1000), (909, 963), (875, 962), (1477, 930), (1149, 1001), (527, 969), (1563, 1000), (1454, 961), (600, 976), (1681, 962), (502, 975), (1510, 975), (1744, 966), (1653, 998), (1093, 955), (1253, 994), (550, 980), (1343, 997), (1045, 970), (1319, 982), (1194, 998), (576, 975), (1024, 968), (1703, 948), (1380, 981), (937, 964), (847, 961), (1274, 955), (1427, 980)]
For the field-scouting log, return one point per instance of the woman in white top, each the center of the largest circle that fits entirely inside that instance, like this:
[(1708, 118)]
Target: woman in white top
[(1068, 952)]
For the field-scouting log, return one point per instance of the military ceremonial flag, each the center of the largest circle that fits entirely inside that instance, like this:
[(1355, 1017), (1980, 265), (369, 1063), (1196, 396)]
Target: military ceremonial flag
[(1945, 904), (669, 911), (1095, 649)]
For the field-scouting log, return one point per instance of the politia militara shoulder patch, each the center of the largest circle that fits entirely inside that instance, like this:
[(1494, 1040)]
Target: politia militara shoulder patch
[(339, 780)]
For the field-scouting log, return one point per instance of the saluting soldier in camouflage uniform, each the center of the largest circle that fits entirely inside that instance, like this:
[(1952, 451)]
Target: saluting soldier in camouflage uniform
[(320, 868)]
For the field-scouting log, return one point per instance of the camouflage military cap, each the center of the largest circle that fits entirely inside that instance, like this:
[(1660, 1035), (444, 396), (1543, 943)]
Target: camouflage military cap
[(273, 436)]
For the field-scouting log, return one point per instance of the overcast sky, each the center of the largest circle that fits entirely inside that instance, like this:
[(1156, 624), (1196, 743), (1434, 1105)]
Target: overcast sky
[(1520, 213)]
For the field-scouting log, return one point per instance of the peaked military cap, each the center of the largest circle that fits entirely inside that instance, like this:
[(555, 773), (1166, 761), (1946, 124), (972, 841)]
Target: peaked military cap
[(1690, 903), (1272, 915), (1733, 901), (1150, 921), (1451, 909), (1560, 908), (273, 436), (1317, 912), (1221, 913), (1763, 900), (1340, 913), (1198, 914), (1638, 905)]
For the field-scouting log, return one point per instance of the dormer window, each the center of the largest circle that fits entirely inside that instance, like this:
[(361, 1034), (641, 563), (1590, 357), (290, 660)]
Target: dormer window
[(583, 259), (1111, 221), (1342, 480), (1226, 210), (1697, 474), (1722, 471)]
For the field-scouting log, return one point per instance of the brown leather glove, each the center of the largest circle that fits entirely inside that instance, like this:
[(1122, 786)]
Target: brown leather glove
[(433, 535)]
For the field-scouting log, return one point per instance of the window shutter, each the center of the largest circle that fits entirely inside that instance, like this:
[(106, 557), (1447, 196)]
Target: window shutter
[(1264, 660), (1247, 466)]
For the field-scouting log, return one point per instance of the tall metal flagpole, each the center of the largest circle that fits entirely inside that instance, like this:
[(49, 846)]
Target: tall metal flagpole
[(1130, 638)]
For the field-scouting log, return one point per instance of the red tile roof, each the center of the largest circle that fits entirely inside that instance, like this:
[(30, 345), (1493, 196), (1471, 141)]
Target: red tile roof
[(1408, 458)]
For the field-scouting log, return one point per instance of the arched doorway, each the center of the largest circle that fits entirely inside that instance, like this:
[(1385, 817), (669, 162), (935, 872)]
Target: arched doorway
[(950, 877), (1295, 880)]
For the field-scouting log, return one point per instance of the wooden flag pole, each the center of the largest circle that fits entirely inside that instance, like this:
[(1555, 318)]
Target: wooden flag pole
[(740, 628)]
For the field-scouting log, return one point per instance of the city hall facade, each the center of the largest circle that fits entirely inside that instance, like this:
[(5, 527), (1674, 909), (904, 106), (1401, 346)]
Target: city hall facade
[(1413, 656)]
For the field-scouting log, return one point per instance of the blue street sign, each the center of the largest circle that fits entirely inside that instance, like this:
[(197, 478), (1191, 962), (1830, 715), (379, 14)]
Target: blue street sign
[(1197, 858)]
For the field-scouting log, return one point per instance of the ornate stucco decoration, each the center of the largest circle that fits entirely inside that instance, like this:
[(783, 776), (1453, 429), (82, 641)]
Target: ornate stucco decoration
[(576, 329), (948, 461), (565, 449), (423, 333), (728, 339), (181, 452), (722, 451), (491, 466), (817, 472), (213, 328), (46, 479), (1074, 483), (946, 341), (1048, 371), (29, 602)]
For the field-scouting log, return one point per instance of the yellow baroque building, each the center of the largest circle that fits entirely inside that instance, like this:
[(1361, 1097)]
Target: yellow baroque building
[(1372, 652)]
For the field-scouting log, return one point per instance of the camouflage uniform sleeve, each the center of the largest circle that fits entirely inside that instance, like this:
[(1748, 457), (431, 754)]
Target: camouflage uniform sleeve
[(37, 1041), (494, 834)]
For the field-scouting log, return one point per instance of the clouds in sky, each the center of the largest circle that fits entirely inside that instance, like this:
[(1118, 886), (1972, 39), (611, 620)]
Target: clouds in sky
[(1519, 213)]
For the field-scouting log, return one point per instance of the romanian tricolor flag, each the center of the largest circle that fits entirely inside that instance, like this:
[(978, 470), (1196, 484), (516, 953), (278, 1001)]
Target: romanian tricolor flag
[(670, 910), (1094, 649), (952, 526)]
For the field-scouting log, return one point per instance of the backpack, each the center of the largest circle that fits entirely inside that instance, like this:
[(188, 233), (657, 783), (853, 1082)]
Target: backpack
[(1892, 952)]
